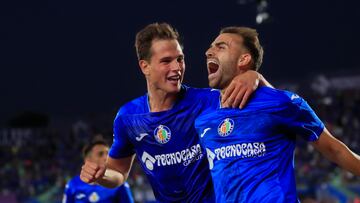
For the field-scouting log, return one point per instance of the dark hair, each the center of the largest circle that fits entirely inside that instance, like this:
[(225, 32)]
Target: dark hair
[(145, 37), (250, 41), (87, 148)]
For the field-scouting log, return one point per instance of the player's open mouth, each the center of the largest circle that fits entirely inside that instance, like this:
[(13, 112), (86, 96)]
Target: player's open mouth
[(212, 65), (174, 78)]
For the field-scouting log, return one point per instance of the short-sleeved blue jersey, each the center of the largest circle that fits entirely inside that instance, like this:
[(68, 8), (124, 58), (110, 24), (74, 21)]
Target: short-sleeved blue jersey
[(251, 151), (167, 145)]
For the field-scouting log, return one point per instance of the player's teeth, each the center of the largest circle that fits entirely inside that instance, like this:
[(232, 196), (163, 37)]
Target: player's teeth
[(211, 61), (174, 78)]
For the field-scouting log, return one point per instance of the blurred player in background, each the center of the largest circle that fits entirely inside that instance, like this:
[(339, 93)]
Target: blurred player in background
[(159, 126), (251, 151), (79, 192)]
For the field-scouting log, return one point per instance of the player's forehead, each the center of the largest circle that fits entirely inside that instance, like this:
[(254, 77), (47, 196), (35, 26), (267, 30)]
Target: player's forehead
[(100, 147), (228, 39), (165, 48)]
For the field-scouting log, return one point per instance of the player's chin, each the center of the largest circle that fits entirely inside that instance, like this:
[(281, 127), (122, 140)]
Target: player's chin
[(174, 88), (213, 83)]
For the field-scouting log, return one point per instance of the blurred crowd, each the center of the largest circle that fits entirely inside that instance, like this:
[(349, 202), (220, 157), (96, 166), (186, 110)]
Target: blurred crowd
[(36, 163), (317, 178)]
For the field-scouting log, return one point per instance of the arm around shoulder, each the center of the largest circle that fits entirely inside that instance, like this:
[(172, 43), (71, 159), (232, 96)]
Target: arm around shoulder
[(264, 82)]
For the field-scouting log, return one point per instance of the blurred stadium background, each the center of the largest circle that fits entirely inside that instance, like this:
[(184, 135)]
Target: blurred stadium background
[(66, 68)]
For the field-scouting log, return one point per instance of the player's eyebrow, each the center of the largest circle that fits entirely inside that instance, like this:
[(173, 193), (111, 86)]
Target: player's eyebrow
[(221, 43), (170, 58), (217, 44)]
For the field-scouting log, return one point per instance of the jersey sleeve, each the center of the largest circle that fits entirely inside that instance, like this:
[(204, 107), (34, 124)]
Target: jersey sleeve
[(121, 147), (303, 120), (124, 194), (69, 195)]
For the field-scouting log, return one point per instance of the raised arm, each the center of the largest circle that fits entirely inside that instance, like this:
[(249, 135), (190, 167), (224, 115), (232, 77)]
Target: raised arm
[(336, 151)]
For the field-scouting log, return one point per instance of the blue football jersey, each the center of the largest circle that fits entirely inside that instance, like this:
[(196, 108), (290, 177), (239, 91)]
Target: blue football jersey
[(167, 146), (76, 191), (251, 151)]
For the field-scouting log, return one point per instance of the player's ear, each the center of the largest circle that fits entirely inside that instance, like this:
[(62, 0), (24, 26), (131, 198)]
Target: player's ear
[(145, 67), (244, 60)]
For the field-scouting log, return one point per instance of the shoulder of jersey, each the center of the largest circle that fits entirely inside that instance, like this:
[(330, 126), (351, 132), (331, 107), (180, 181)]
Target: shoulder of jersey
[(134, 106), (197, 93), (276, 96), (74, 181)]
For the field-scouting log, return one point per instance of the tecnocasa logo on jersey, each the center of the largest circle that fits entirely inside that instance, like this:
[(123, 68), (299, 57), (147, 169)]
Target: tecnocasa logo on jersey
[(243, 150), (185, 157)]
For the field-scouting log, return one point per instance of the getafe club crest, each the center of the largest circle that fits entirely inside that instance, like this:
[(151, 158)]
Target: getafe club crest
[(94, 197), (162, 134), (226, 127)]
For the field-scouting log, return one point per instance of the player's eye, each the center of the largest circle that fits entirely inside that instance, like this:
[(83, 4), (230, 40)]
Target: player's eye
[(101, 153), (165, 61), (180, 59)]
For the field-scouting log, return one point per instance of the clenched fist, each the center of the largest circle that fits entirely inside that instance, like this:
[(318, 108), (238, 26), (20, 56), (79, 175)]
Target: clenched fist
[(91, 172)]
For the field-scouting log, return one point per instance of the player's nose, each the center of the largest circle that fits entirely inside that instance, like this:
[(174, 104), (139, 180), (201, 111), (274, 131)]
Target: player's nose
[(176, 66), (209, 52)]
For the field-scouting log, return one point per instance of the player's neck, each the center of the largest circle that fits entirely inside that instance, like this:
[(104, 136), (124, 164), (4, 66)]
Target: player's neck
[(223, 90), (160, 100)]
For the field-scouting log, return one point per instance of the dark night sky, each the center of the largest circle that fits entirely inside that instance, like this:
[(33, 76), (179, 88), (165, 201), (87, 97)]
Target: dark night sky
[(73, 57)]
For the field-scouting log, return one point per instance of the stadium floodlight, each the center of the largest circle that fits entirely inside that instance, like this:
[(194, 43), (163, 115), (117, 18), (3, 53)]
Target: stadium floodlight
[(262, 15)]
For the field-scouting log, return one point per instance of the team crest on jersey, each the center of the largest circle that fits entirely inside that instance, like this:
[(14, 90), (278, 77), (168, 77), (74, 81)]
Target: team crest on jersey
[(162, 134), (226, 127), (94, 197)]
